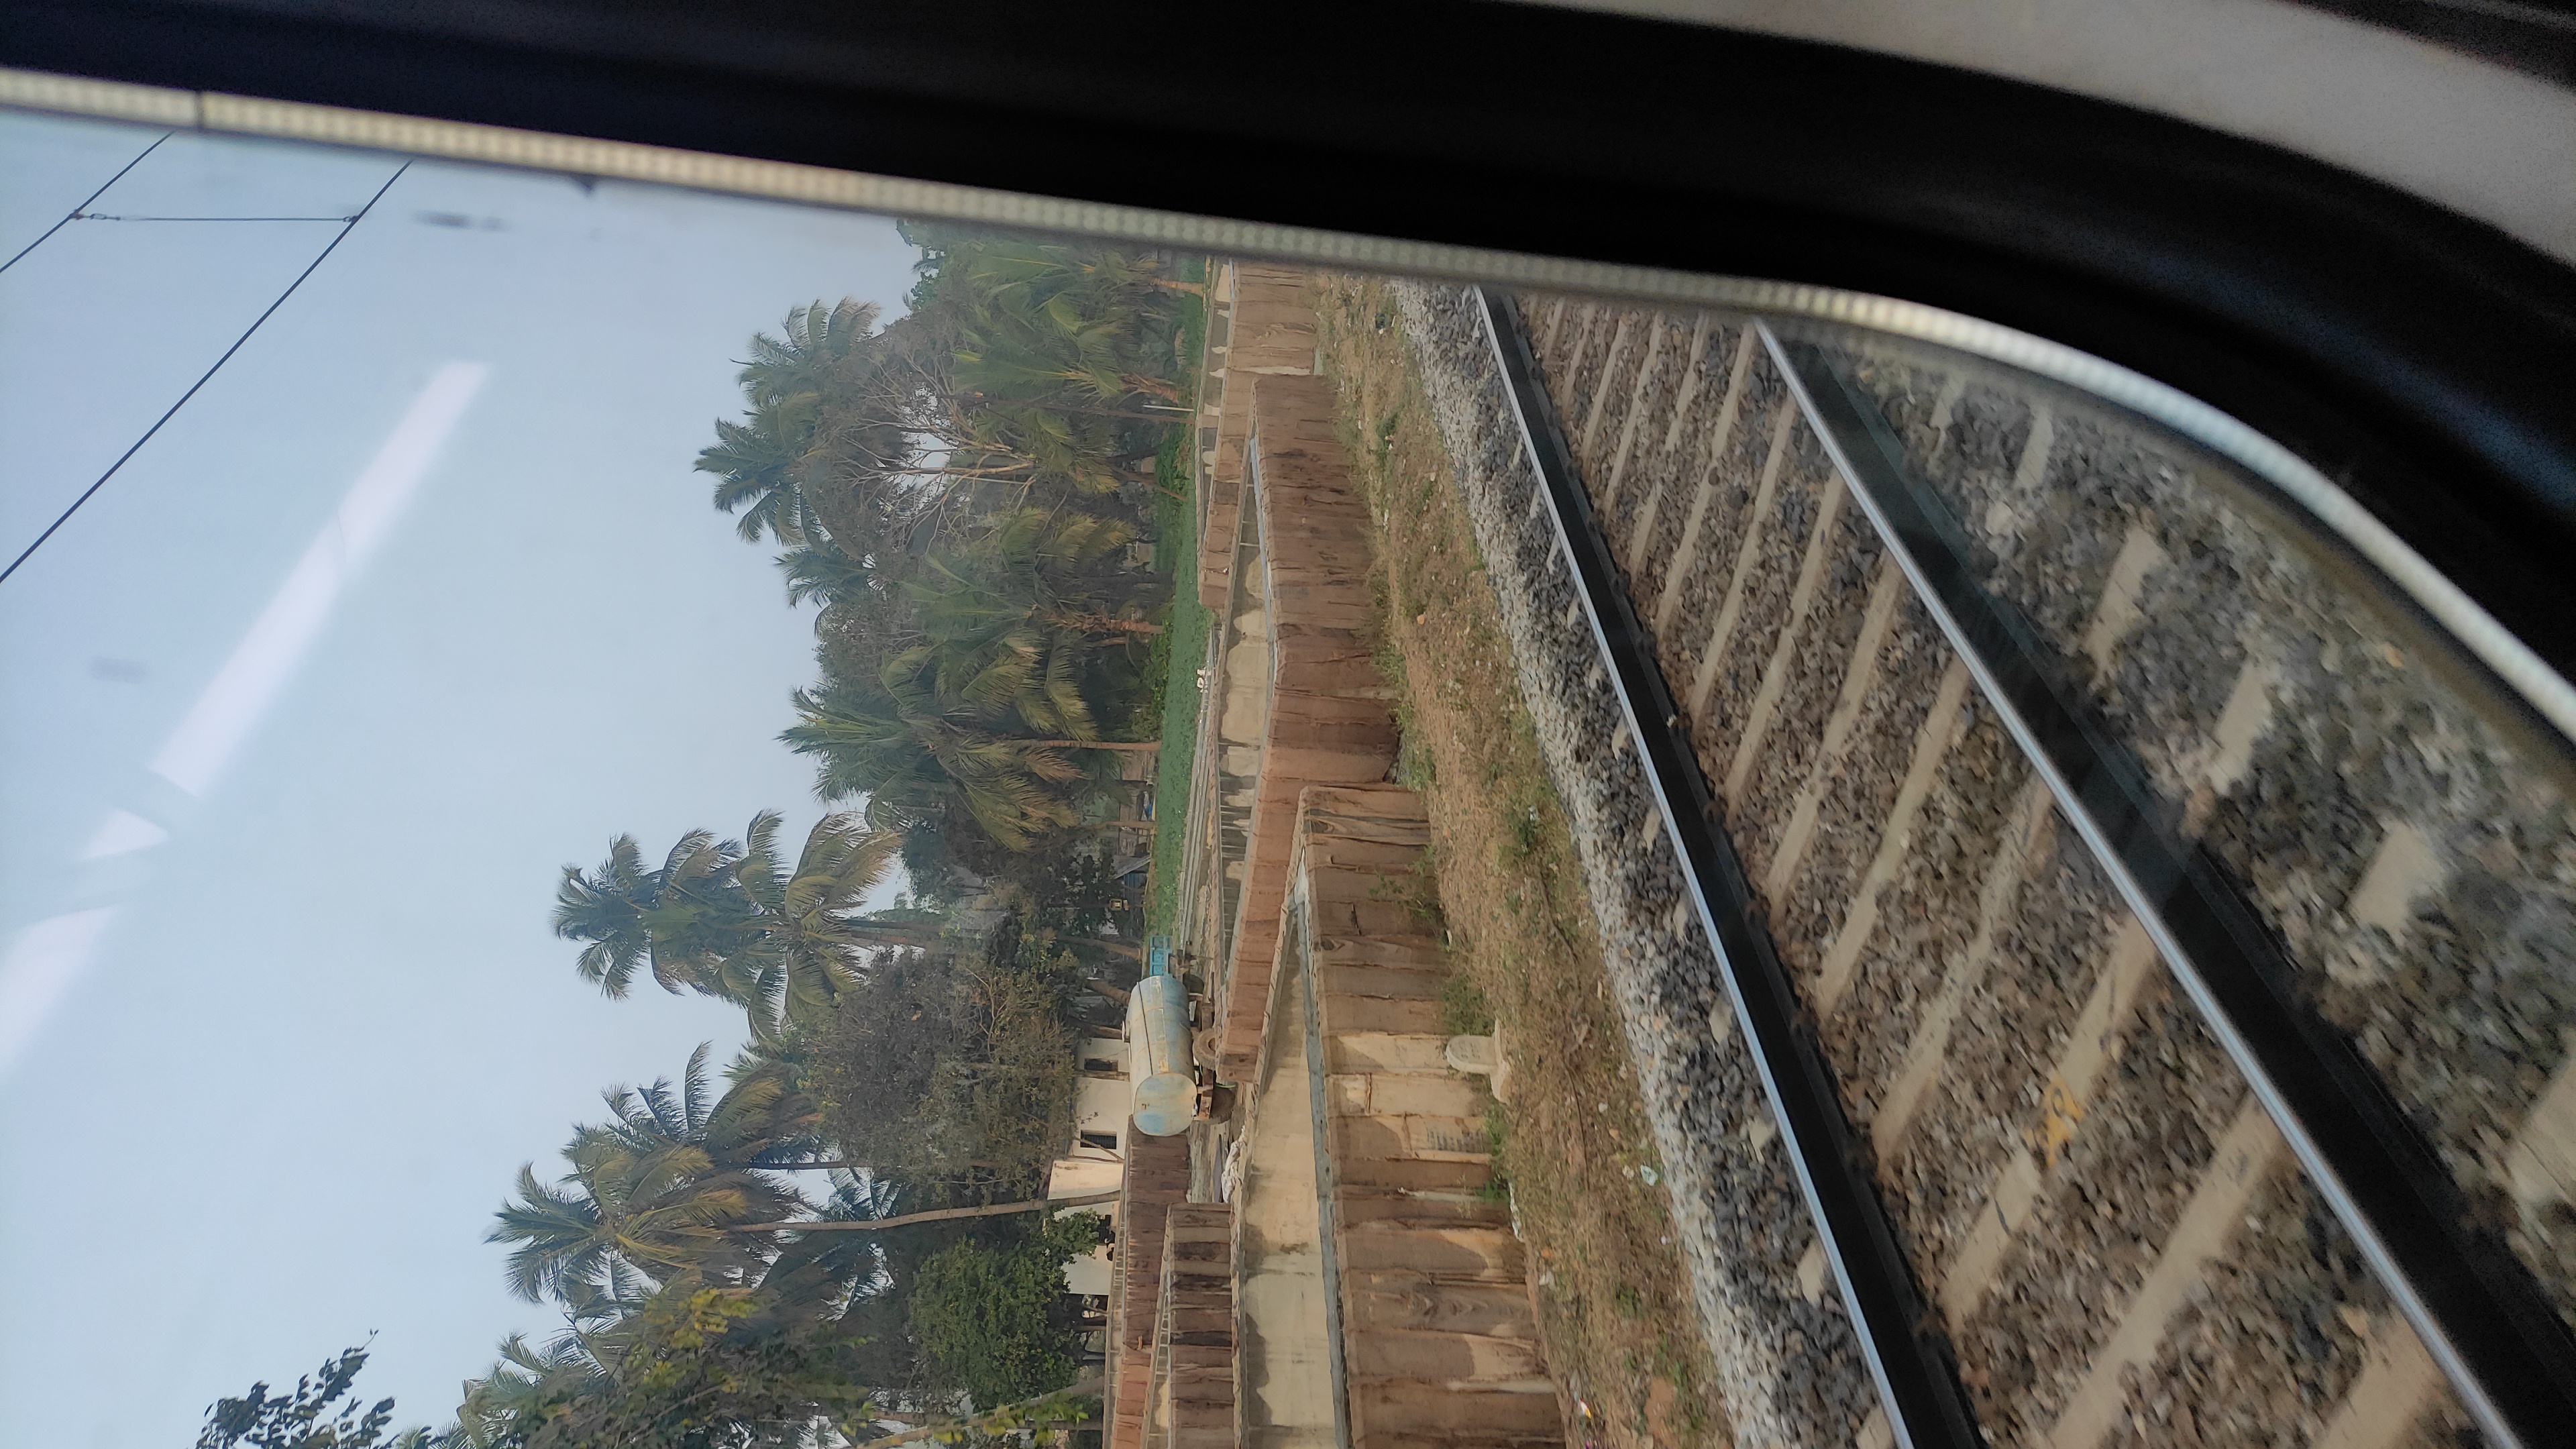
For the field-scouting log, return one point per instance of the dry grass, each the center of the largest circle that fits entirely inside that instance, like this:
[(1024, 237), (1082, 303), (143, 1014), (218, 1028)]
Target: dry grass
[(1614, 1301)]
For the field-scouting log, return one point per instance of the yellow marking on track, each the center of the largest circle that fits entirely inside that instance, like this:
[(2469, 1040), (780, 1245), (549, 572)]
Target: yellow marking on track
[(2057, 1123)]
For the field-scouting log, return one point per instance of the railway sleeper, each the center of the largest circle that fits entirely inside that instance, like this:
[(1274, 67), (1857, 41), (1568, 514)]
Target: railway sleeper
[(2118, 1243)]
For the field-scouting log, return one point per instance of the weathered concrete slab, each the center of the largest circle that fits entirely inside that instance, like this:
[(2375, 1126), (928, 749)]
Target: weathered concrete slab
[(1156, 1178), (1436, 1336), (1270, 333), (1283, 1363), (1191, 1396), (1329, 718)]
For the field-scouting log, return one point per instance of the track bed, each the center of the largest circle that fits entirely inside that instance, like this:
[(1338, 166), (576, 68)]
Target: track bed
[(2106, 1225)]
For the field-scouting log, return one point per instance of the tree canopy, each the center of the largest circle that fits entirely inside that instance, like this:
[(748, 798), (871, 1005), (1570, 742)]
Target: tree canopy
[(958, 489), (992, 1320), (323, 1412), (730, 919), (844, 1224)]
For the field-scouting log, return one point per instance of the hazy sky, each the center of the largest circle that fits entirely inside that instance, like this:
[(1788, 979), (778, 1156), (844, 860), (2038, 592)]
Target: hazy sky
[(417, 601)]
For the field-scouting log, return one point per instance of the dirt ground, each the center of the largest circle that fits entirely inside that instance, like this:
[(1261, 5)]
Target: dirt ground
[(1614, 1302)]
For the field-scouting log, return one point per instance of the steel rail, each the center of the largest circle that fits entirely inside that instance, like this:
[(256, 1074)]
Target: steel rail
[(2479, 1312), (1909, 1364)]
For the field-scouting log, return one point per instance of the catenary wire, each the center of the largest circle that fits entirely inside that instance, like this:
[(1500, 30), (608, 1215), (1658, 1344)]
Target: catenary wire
[(92, 491), (95, 216), (75, 212)]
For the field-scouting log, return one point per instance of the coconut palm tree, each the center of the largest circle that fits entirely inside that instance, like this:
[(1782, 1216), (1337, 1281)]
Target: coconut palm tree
[(660, 1216), (828, 437), (818, 570), (915, 753), (819, 352), (1026, 365), (762, 1120), (806, 953), (1000, 654), (760, 465), (1002, 263), (653, 1192), (1031, 323), (1035, 566), (917, 745), (1060, 440), (683, 918), (1009, 623), (731, 920), (502, 1407)]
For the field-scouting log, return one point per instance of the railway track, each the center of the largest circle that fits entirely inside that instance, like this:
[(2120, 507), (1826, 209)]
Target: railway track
[(2149, 933)]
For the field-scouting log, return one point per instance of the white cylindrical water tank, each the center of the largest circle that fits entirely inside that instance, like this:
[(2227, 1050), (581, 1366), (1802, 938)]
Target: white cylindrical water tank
[(1158, 1056)]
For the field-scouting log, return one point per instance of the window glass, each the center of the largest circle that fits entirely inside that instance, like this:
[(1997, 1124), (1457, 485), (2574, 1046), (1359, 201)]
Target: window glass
[(1202, 844)]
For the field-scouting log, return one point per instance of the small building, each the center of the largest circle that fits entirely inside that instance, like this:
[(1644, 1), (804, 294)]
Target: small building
[(1096, 1164)]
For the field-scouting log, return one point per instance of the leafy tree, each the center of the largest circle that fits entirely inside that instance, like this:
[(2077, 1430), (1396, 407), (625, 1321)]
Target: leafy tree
[(916, 753), (762, 1120), (952, 487), (636, 1211), (731, 919), (307, 1418), (695, 1367), (680, 919), (994, 1321), (955, 489), (1069, 1405), (949, 1073)]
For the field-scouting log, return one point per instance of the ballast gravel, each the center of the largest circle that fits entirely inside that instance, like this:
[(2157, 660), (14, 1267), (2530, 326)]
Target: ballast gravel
[(1788, 1363)]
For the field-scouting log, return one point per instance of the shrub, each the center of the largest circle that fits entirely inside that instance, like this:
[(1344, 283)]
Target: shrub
[(944, 1072), (995, 1322)]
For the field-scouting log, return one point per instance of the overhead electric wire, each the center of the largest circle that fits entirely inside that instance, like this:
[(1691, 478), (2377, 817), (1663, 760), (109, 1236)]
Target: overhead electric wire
[(75, 213), (122, 458), (95, 216)]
